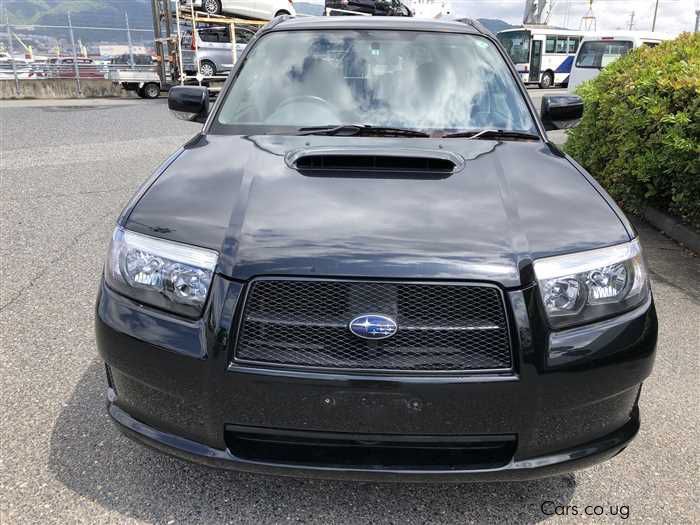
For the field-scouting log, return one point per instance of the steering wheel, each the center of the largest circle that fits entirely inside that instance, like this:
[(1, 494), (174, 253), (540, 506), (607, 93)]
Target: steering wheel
[(305, 98), (490, 118)]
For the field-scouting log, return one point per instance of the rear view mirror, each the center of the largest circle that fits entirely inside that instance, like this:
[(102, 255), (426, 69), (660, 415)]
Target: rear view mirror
[(561, 111), (189, 102)]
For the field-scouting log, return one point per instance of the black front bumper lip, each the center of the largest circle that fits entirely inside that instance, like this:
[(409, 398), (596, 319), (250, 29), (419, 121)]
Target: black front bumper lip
[(550, 465)]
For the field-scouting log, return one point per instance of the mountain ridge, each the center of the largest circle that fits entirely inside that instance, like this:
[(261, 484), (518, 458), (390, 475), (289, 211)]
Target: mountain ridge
[(112, 14)]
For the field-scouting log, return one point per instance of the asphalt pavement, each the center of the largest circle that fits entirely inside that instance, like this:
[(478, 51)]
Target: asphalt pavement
[(66, 170)]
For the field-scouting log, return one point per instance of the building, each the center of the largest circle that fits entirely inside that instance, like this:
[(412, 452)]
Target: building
[(119, 49)]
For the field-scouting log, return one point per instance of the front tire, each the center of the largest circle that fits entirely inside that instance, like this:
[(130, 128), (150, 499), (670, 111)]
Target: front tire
[(547, 80), (151, 90), (281, 13), (207, 68), (212, 7)]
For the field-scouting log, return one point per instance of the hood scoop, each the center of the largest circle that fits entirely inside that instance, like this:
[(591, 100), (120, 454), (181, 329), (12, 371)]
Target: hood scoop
[(374, 162)]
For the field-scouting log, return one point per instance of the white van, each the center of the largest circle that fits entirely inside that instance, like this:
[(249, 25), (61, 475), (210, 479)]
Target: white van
[(214, 48), (597, 51)]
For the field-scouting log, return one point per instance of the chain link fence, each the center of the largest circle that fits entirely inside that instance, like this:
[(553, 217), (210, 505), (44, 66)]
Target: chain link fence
[(45, 52)]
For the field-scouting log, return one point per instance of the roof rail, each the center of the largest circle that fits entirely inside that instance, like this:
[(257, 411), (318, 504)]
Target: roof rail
[(276, 21), (475, 24), (481, 28)]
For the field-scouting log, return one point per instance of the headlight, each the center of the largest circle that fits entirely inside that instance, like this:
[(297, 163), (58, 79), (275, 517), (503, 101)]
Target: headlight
[(582, 287), (165, 274)]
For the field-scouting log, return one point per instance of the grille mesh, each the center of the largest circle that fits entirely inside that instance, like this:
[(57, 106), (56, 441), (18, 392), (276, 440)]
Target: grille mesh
[(440, 327)]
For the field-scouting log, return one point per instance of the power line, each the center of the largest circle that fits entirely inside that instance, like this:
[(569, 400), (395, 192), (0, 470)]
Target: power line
[(32, 26)]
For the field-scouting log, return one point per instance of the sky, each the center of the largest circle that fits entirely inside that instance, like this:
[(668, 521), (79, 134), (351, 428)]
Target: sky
[(674, 16)]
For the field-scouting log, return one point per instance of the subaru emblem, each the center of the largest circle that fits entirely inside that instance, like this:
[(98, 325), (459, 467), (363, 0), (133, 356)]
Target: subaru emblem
[(373, 326)]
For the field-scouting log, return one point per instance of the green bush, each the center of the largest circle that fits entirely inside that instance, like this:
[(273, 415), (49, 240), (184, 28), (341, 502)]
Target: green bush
[(640, 133)]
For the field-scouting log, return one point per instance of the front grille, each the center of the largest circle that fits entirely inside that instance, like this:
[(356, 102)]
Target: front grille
[(370, 451), (441, 327)]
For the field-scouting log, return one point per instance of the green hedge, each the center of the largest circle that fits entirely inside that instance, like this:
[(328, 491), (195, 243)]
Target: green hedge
[(640, 133)]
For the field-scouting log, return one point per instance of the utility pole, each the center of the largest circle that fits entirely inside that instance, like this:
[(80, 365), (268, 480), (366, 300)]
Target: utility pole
[(631, 21), (533, 11), (11, 50), (128, 38), (588, 21), (697, 19), (656, 10), (75, 57)]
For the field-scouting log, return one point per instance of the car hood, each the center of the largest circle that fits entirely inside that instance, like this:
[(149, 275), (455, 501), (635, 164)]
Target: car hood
[(511, 203)]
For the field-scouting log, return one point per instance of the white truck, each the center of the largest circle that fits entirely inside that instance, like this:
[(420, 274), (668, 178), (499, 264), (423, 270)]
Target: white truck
[(146, 83)]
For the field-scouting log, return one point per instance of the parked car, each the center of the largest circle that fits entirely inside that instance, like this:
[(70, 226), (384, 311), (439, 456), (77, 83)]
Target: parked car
[(11, 67), (64, 67), (372, 263), (258, 9), (597, 51), (139, 59), (368, 7), (214, 48)]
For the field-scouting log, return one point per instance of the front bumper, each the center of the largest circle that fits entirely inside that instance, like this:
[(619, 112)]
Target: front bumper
[(571, 402), (562, 462)]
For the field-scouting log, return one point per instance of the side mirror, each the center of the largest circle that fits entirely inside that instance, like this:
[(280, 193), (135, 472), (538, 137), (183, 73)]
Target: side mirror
[(189, 102), (561, 111)]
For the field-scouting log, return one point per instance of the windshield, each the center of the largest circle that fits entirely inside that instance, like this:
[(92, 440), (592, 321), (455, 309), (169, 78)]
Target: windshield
[(517, 45), (416, 80), (598, 54)]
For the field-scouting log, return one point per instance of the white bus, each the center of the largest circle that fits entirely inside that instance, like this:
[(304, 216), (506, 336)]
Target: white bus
[(599, 50), (542, 55)]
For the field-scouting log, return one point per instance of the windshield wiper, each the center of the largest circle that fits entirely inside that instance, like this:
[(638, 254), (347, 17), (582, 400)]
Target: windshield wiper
[(492, 133), (353, 130)]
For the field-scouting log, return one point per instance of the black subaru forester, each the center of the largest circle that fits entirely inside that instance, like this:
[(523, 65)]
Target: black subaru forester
[(371, 263)]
